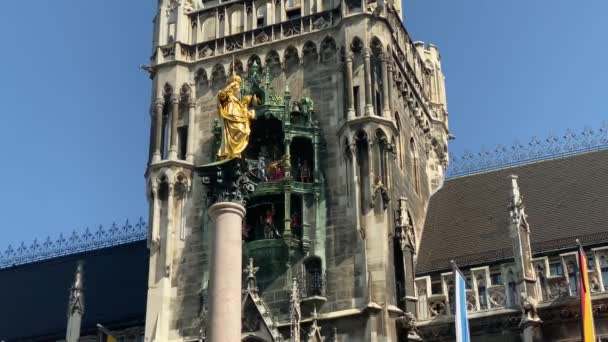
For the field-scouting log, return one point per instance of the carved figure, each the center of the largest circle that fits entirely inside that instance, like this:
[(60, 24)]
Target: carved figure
[(270, 229), (235, 119), (528, 308), (296, 224), (304, 172)]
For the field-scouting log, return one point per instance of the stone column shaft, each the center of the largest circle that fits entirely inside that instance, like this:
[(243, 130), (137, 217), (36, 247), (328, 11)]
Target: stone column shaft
[(170, 231), (386, 110), (224, 324), (191, 118), (349, 87), (288, 158), (390, 82), (369, 108), (158, 129), (174, 114)]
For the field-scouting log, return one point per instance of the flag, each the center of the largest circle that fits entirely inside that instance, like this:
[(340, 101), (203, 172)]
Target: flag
[(587, 329), (104, 335), (460, 306)]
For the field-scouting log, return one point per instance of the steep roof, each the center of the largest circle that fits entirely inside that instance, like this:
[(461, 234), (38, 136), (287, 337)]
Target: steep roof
[(564, 198), (34, 297)]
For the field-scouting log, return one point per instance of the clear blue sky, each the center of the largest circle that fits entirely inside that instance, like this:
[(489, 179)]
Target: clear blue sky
[(75, 107)]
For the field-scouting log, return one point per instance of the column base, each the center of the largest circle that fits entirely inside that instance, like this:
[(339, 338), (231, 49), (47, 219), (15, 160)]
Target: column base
[(350, 114), (155, 157), (190, 158), (172, 154), (369, 109)]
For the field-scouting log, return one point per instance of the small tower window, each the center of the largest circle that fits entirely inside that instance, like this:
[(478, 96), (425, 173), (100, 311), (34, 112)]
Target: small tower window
[(313, 273)]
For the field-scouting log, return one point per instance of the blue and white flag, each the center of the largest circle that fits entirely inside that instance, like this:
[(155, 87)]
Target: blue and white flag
[(460, 306)]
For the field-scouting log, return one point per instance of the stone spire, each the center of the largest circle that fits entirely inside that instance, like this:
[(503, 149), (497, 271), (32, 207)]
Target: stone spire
[(296, 313), (519, 231), (76, 305), (250, 271)]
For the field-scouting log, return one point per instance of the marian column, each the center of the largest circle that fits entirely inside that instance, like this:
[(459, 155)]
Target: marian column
[(227, 185)]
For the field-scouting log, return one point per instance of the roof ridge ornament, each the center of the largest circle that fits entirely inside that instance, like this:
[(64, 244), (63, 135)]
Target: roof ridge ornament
[(553, 146), (74, 243)]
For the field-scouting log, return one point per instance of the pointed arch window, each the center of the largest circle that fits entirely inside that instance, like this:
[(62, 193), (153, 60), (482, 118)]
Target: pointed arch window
[(415, 167)]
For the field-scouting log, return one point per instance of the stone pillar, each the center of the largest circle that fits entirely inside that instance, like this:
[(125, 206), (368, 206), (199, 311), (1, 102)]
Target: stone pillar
[(227, 184), (170, 230), (390, 81), (386, 109), (287, 211), (316, 172), (158, 129), (369, 107), (174, 114), (191, 118), (224, 324), (287, 157), (348, 70)]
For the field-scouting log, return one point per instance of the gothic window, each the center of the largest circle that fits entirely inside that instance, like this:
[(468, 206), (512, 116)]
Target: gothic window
[(236, 22), (357, 99), (415, 167), (399, 271), (451, 296), (399, 147), (348, 160), (218, 76), (201, 80), (262, 15), (482, 292), (422, 304), (182, 142), (166, 122), (512, 288), (328, 50), (254, 59), (313, 272), (292, 60), (209, 27), (273, 62), (604, 270), (309, 53), (381, 158), (363, 170), (541, 280), (302, 160), (496, 278), (556, 268), (572, 278), (376, 75)]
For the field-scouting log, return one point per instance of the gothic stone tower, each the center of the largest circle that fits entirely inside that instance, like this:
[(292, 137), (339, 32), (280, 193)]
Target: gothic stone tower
[(351, 135)]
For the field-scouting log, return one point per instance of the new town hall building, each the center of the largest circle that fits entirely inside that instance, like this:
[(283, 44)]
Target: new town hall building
[(350, 232)]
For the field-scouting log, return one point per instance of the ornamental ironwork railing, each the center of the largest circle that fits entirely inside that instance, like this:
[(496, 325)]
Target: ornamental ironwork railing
[(553, 146), (74, 243)]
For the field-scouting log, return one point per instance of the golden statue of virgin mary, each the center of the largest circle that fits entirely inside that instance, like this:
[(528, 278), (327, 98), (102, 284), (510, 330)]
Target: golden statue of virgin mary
[(235, 118)]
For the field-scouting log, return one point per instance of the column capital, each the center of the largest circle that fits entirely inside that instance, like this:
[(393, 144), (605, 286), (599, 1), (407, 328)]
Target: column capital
[(227, 181), (175, 99), (191, 102), (159, 103), (366, 52)]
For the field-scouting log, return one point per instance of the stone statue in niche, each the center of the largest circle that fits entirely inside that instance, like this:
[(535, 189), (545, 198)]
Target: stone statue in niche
[(235, 119), (304, 172), (270, 229)]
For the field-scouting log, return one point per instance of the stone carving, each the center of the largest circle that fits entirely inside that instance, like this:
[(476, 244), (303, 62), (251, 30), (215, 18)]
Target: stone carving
[(206, 51), (528, 308), (203, 312), (228, 181), (189, 7), (320, 23), (76, 301), (407, 324), (379, 188), (497, 296), (262, 37)]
